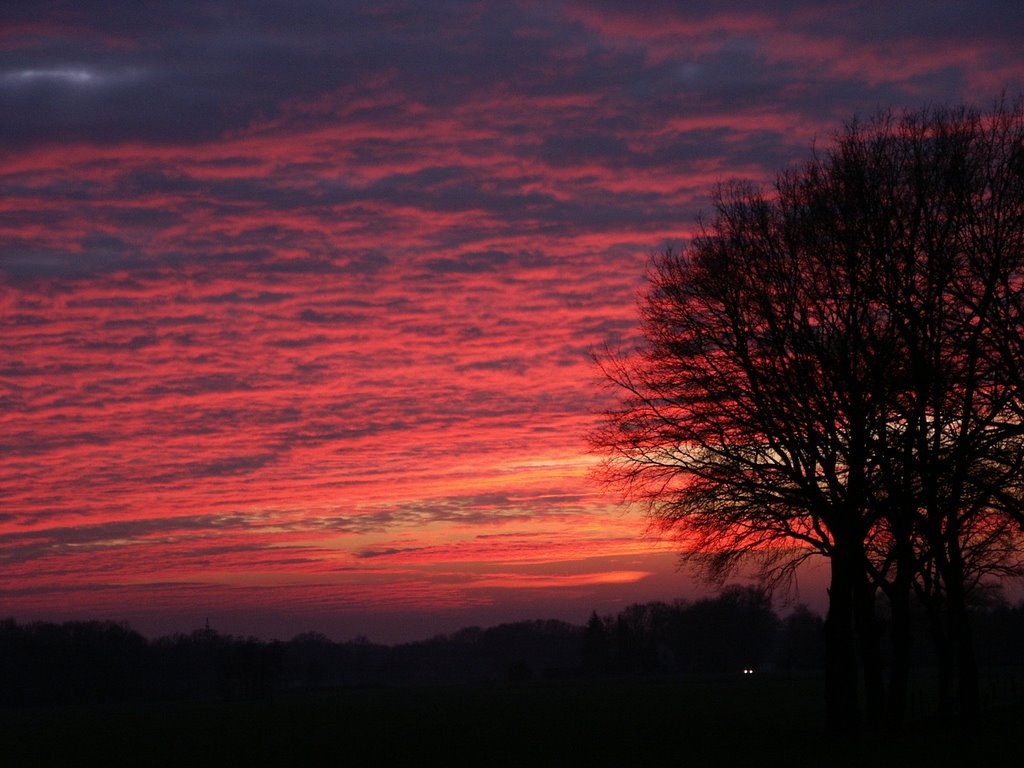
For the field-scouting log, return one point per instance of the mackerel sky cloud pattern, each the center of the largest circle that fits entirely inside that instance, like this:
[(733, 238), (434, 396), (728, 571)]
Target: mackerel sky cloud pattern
[(297, 300)]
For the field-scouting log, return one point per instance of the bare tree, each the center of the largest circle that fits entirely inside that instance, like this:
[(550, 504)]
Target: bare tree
[(835, 368), (746, 424)]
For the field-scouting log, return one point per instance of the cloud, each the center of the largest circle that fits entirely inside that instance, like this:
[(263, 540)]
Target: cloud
[(287, 293), (531, 581)]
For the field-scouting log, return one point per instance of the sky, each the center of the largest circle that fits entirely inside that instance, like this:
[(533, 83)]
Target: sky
[(298, 300)]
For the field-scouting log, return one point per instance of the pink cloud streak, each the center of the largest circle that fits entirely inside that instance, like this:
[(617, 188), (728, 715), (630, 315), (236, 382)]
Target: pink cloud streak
[(327, 342)]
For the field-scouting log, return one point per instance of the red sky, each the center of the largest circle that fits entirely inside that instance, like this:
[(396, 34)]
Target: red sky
[(297, 300)]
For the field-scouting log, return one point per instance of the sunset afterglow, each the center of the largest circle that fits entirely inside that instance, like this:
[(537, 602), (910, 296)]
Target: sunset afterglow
[(298, 301)]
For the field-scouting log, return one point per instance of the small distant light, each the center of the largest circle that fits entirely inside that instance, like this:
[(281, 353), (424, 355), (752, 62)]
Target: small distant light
[(748, 671)]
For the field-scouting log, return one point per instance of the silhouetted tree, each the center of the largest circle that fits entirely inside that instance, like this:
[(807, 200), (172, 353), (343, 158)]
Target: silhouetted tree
[(800, 640), (835, 368), (596, 646), (734, 631)]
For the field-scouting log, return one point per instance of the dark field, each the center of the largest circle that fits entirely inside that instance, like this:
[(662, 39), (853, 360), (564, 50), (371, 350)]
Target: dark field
[(723, 721)]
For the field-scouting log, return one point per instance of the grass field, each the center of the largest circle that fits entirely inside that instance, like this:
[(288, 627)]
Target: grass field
[(733, 721)]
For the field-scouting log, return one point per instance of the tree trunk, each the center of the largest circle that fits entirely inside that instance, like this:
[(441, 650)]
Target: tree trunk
[(841, 711), (962, 636), (943, 656), (870, 651), (899, 669), (960, 633)]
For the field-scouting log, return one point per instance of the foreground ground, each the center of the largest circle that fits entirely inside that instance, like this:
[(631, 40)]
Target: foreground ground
[(726, 721)]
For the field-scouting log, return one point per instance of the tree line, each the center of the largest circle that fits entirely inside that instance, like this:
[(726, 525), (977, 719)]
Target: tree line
[(89, 662), (835, 367)]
